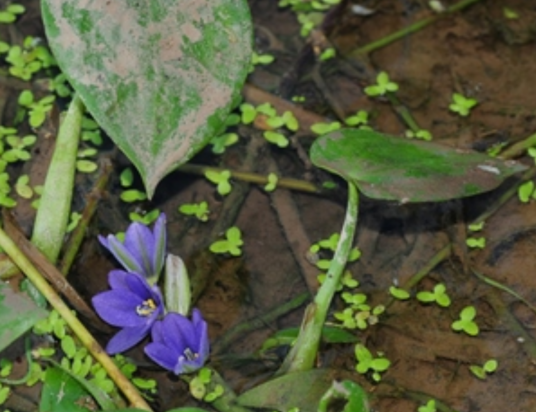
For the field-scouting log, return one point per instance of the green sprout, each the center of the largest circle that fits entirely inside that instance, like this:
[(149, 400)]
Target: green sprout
[(366, 362), (438, 295), (465, 323), (510, 14), (476, 227), (18, 148), (298, 99), (22, 188), (6, 366), (346, 281), (38, 190), (221, 142), (132, 195), (327, 54), (308, 21), (146, 218), (5, 391), (60, 86), (272, 182), (287, 119), (29, 59), (249, 113), (231, 244), (481, 372), (526, 191), (37, 109), (496, 148), (91, 131), (361, 118), (429, 407), (126, 178), (276, 138), (461, 104), (199, 210), (199, 386), (398, 293), (476, 242), (6, 131), (382, 86), (264, 59), (83, 165), (5, 188), (267, 109), (323, 128), (221, 179), (73, 221), (9, 15), (419, 134)]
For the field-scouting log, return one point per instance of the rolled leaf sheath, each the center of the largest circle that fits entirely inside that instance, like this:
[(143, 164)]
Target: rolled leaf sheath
[(55, 204)]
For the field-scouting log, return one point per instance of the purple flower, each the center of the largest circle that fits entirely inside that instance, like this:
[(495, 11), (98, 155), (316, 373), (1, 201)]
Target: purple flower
[(179, 344), (142, 251), (132, 305)]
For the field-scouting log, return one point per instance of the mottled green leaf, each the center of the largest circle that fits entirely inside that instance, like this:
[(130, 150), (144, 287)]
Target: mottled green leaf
[(391, 168), (159, 77)]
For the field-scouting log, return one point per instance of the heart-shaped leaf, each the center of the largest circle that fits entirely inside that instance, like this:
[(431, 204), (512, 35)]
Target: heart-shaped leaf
[(159, 76), (392, 168)]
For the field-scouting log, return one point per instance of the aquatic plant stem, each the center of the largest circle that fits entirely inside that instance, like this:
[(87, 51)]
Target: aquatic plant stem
[(397, 35), (72, 321), (55, 204), (303, 354), (258, 322)]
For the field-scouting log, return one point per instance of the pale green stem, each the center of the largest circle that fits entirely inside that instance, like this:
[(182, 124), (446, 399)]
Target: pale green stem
[(55, 204), (303, 354), (419, 25), (76, 326)]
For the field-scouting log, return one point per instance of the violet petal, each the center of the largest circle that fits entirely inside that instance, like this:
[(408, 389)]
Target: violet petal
[(162, 355), (118, 308), (125, 339)]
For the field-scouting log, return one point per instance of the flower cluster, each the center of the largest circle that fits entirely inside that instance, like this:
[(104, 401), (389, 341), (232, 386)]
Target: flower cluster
[(135, 304)]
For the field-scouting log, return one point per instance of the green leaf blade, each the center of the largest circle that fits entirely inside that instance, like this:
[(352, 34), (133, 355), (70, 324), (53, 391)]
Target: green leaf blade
[(391, 168)]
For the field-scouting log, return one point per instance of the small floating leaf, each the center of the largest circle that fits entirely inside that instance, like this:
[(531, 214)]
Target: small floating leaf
[(391, 168)]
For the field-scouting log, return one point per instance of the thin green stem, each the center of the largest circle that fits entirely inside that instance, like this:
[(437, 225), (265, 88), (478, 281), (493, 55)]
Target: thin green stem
[(397, 35), (303, 354), (287, 183), (74, 242), (256, 323), (518, 148), (72, 321), (403, 112)]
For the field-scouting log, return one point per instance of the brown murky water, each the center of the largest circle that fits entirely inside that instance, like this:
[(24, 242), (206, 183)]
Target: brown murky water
[(476, 52)]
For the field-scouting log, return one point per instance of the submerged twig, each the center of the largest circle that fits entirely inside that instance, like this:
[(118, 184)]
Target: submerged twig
[(258, 322), (72, 246)]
